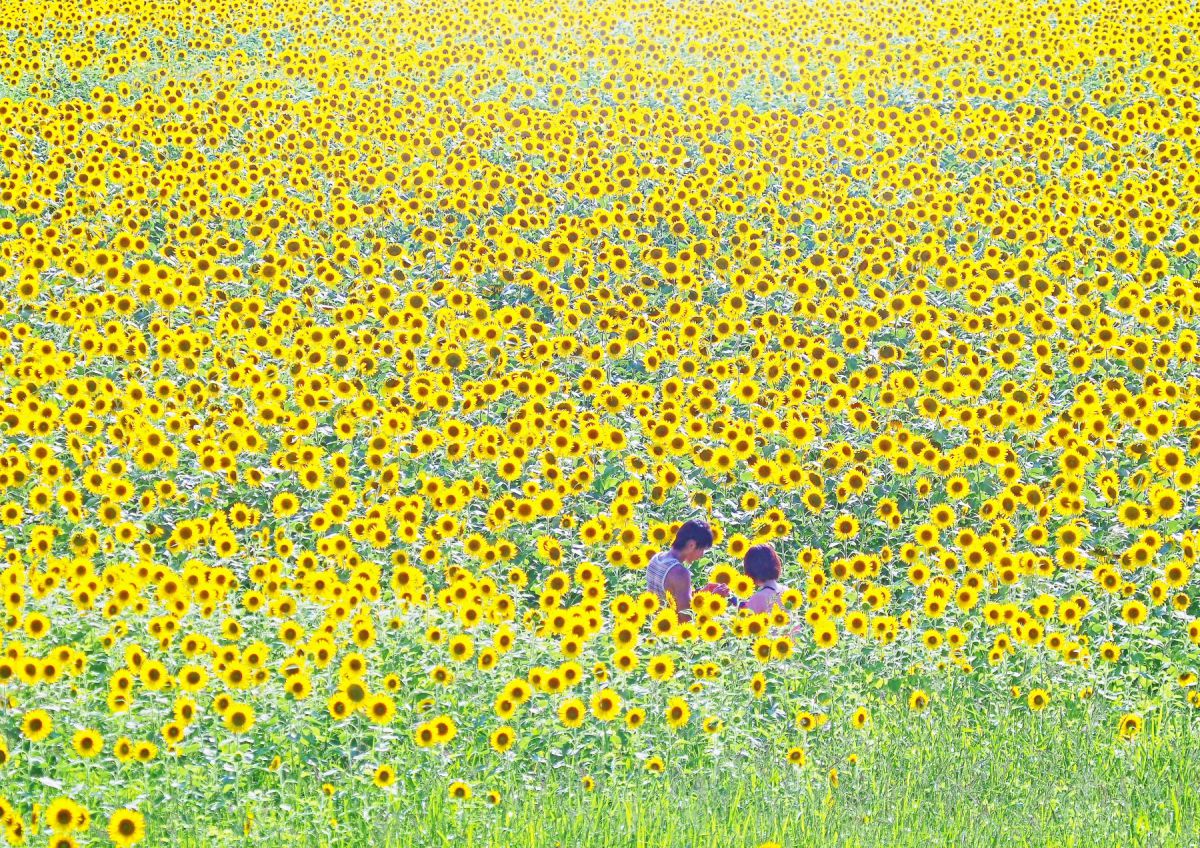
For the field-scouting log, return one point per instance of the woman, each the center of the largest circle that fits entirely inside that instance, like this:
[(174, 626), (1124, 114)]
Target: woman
[(761, 564)]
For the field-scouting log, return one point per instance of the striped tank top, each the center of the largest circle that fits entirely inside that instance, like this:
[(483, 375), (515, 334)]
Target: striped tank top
[(656, 572)]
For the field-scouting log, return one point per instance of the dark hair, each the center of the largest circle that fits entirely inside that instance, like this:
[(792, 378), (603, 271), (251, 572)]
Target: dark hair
[(694, 531), (762, 563)]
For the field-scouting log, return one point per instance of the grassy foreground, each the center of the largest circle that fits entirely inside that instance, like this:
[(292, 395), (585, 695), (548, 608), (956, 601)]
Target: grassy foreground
[(943, 779)]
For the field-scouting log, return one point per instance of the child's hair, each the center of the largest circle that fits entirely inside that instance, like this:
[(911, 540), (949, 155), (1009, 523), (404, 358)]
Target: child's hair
[(694, 531), (762, 563)]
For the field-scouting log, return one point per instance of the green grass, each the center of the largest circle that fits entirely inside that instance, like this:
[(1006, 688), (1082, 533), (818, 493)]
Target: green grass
[(1020, 779)]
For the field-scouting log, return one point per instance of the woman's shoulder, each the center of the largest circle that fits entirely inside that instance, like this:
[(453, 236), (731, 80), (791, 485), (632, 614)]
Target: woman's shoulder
[(760, 601), (765, 597)]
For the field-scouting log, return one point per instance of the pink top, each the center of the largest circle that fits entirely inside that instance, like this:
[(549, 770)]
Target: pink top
[(765, 597)]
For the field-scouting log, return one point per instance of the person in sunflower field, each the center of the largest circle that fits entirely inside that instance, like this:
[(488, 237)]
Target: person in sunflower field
[(668, 575), (762, 565)]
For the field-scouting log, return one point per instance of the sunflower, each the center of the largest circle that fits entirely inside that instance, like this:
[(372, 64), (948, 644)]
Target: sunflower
[(87, 743), (677, 713), (758, 685), (502, 738), (660, 668), (572, 712), (384, 776), (126, 827), (605, 704), (1130, 725), (635, 717), (381, 709), (1133, 612), (62, 815), (845, 527), (36, 725), (239, 718)]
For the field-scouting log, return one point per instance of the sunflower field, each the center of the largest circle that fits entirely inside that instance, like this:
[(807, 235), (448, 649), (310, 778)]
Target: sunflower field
[(356, 357)]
